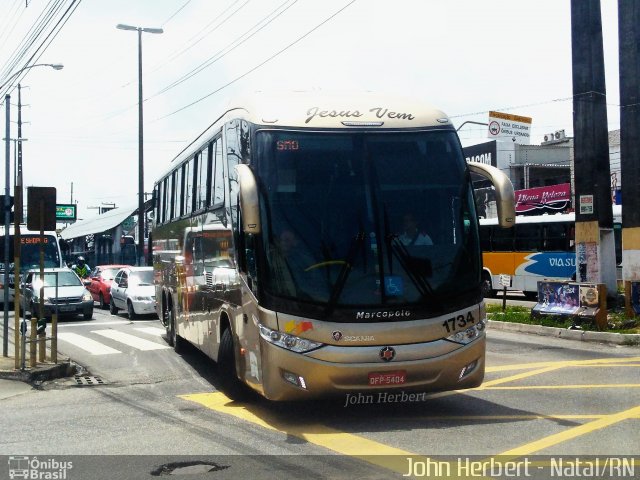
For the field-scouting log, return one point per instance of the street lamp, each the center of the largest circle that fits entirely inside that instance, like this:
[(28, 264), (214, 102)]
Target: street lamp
[(141, 215), (55, 66), (7, 206)]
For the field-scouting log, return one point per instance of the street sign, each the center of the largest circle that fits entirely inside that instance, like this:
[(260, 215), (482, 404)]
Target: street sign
[(66, 212), (505, 280), (505, 126), (41, 209)]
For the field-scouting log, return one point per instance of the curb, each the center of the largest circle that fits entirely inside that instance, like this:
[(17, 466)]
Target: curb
[(41, 373), (579, 335)]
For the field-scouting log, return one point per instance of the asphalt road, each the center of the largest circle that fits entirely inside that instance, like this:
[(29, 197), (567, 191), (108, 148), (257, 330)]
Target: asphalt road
[(543, 399)]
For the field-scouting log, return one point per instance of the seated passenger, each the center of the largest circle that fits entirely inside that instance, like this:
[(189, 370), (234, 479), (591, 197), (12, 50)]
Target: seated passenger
[(411, 235)]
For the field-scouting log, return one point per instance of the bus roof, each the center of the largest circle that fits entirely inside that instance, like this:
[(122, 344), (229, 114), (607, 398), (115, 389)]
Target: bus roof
[(322, 110), (339, 110)]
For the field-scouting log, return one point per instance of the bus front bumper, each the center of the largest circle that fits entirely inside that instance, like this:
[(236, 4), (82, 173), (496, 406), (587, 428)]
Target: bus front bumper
[(294, 376)]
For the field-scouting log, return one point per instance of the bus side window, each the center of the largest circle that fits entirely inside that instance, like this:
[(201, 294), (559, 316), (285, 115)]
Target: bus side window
[(555, 237), (485, 238), (528, 237), (502, 239)]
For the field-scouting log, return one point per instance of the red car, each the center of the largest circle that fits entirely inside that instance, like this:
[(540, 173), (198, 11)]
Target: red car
[(100, 286)]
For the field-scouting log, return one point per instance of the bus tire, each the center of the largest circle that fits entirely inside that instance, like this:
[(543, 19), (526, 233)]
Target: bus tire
[(175, 340), (226, 364)]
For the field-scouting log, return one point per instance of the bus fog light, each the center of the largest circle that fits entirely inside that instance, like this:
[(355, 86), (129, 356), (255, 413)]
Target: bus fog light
[(294, 379), (468, 369)]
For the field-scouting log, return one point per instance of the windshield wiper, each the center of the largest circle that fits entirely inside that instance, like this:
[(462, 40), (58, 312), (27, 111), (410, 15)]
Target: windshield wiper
[(356, 243), (407, 263)]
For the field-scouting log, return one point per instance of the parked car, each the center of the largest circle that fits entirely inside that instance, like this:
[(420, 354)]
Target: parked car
[(101, 278), (69, 297), (133, 290)]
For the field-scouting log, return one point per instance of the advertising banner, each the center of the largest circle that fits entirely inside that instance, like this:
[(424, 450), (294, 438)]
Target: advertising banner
[(561, 298), (554, 197)]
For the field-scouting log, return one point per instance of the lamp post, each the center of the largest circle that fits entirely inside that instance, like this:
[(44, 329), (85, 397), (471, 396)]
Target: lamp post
[(141, 216), (7, 207)]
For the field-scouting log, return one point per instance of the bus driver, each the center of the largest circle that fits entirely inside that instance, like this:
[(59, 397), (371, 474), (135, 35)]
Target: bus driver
[(411, 235)]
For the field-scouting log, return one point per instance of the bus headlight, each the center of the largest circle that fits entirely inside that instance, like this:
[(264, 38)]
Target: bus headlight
[(288, 341), (468, 334)]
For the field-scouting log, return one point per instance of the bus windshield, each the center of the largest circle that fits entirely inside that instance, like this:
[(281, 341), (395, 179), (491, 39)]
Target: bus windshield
[(375, 220)]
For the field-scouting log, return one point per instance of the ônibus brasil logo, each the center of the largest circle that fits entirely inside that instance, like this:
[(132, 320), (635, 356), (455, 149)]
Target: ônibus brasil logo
[(34, 468)]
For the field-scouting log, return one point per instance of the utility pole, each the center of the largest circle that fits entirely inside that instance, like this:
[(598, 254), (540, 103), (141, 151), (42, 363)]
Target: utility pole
[(5, 326), (17, 192), (629, 32), (595, 247)]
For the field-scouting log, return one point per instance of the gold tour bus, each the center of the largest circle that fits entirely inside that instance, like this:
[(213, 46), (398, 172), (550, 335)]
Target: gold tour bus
[(318, 245)]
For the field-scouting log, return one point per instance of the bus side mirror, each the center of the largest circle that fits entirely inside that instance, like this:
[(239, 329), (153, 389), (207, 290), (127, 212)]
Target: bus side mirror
[(505, 196), (248, 199)]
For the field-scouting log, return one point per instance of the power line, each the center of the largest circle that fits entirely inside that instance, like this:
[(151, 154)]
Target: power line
[(175, 13), (299, 39), (31, 36), (176, 54), (247, 35)]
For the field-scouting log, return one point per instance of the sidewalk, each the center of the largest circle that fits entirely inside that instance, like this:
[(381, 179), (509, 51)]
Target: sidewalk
[(40, 373), (565, 333)]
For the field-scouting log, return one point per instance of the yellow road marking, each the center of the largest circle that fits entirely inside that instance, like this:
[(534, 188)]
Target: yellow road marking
[(572, 433), (370, 451), (393, 458), (528, 366), (519, 376), (563, 387)]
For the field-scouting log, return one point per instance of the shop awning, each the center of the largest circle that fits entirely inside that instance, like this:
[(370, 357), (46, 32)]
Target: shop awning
[(99, 223)]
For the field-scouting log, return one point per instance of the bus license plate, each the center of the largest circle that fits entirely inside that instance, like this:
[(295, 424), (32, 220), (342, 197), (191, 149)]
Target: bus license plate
[(387, 378)]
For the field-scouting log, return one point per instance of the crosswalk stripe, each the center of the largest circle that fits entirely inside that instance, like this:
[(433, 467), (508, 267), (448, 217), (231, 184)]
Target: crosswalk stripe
[(152, 330), (86, 344), (131, 340)]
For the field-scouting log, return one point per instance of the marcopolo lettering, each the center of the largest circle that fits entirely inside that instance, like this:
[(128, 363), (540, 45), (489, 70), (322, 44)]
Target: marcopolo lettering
[(383, 314)]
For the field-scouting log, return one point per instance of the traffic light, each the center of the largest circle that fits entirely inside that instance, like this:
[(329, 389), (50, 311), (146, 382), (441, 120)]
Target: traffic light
[(11, 213)]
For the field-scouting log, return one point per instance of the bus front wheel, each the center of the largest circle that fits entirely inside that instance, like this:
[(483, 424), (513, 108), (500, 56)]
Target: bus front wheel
[(226, 367)]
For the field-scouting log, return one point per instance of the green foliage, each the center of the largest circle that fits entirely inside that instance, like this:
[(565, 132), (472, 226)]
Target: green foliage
[(618, 323)]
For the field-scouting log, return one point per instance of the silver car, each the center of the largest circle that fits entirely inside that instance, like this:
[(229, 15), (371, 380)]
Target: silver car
[(69, 297), (133, 290)]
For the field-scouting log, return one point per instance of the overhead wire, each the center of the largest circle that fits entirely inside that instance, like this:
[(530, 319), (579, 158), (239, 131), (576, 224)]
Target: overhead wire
[(30, 37), (247, 35), (53, 33), (10, 18), (175, 13), (256, 67), (177, 54), (34, 33)]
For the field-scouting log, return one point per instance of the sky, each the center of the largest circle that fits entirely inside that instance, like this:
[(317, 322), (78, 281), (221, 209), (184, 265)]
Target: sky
[(466, 57)]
